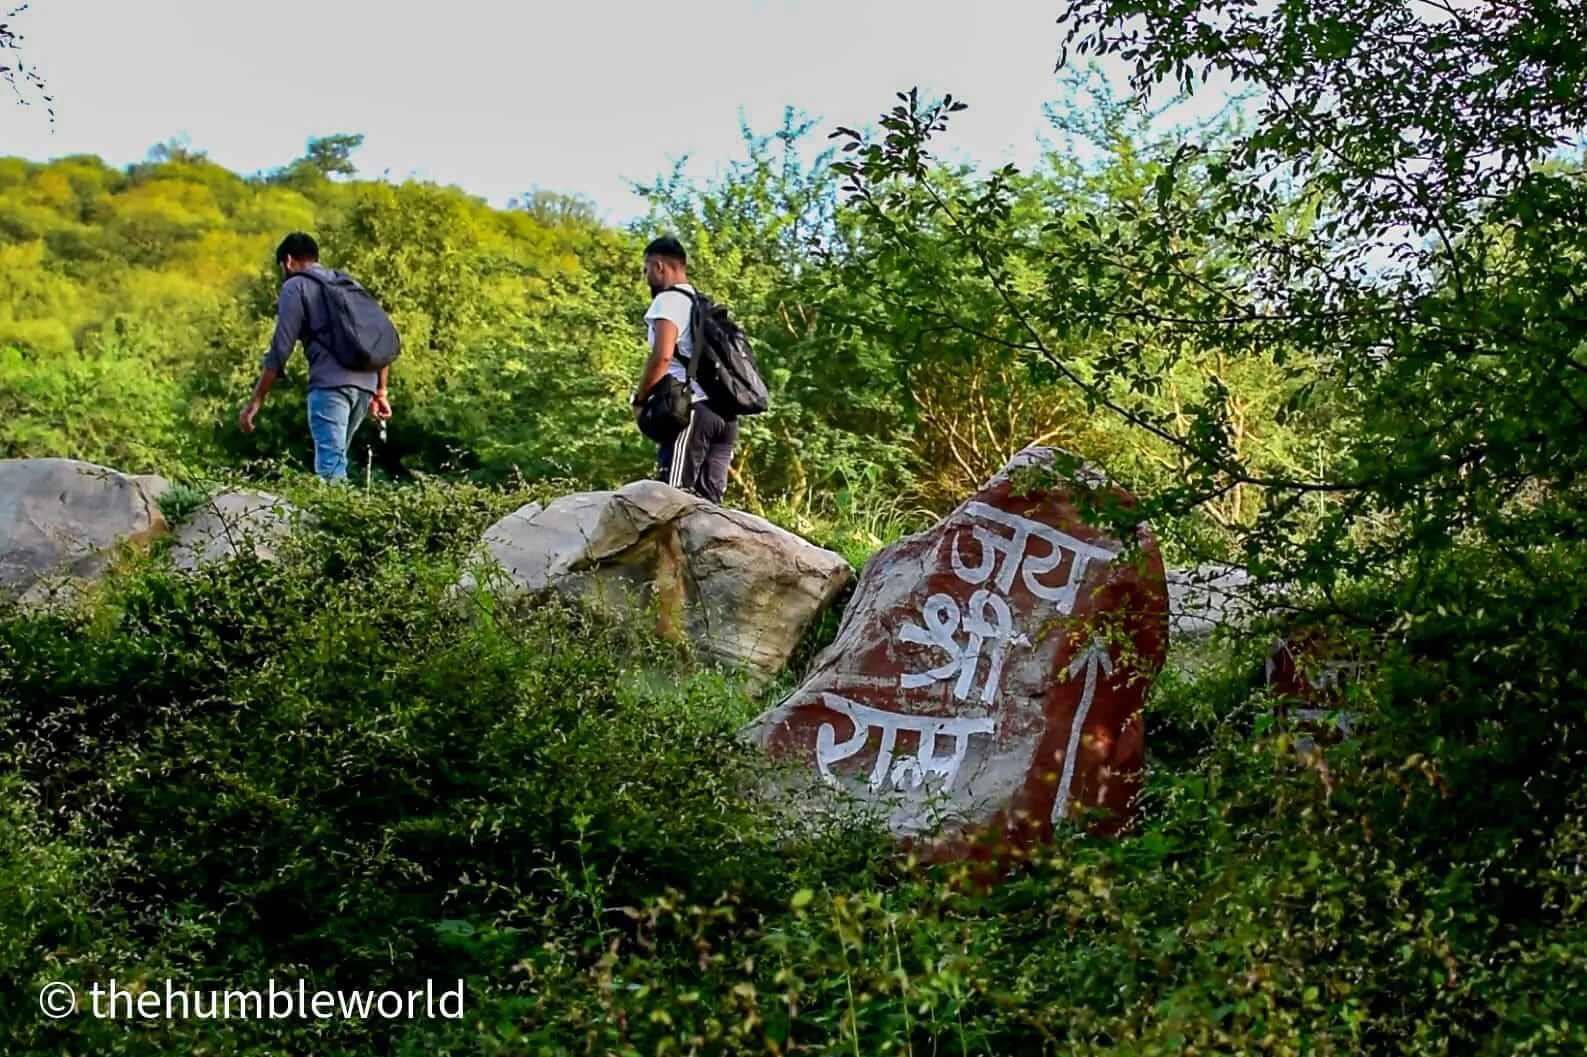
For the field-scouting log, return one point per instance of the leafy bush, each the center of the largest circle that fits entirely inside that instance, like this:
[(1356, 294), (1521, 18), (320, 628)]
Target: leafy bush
[(1340, 341), (328, 769)]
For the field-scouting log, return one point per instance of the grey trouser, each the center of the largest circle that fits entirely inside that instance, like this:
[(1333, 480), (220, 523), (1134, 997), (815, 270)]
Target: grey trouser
[(697, 460)]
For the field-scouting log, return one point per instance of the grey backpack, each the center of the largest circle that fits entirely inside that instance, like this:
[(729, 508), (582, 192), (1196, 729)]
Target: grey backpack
[(359, 334)]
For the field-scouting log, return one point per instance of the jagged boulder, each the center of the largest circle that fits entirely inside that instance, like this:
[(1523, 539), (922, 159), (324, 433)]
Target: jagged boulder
[(1208, 597), (740, 589), (229, 522), (60, 519), (987, 679)]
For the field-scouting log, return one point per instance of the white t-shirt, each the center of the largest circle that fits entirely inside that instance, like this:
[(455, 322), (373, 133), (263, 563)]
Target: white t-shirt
[(670, 304)]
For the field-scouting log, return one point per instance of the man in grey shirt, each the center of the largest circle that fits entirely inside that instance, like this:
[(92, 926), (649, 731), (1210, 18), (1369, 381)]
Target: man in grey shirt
[(338, 398)]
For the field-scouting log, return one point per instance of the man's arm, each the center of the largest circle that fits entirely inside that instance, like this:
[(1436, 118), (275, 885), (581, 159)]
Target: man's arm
[(661, 349), (380, 406), (290, 314)]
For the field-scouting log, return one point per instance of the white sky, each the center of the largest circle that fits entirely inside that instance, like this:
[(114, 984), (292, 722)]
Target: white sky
[(501, 97)]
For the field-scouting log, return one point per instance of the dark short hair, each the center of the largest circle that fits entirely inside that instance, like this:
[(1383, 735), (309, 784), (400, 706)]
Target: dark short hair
[(299, 245), (668, 247)]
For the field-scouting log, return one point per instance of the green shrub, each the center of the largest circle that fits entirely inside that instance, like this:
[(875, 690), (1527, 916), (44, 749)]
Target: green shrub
[(325, 769)]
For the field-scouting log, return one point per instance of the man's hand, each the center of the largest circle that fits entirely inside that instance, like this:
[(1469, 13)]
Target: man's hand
[(380, 406), (250, 411), (637, 410)]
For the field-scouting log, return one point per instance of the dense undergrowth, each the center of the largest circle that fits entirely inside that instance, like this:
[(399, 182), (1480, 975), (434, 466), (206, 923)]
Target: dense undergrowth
[(1336, 336), (325, 770)]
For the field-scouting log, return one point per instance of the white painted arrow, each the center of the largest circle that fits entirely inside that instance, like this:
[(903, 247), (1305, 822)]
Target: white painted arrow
[(1096, 656)]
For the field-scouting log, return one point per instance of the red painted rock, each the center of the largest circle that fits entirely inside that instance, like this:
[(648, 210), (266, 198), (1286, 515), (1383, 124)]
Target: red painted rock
[(1308, 670), (987, 678), (1307, 665)]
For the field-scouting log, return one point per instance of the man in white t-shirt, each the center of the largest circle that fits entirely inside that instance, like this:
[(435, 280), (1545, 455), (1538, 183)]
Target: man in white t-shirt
[(697, 459)]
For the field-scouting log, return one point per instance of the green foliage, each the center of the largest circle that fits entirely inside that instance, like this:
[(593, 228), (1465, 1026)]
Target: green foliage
[(424, 789), (332, 155), (329, 769), (1377, 277), (836, 411), (100, 407), (327, 157), (180, 500), (1337, 337), (520, 326)]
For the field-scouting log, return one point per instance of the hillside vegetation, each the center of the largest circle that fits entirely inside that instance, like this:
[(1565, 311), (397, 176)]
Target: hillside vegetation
[(1338, 337)]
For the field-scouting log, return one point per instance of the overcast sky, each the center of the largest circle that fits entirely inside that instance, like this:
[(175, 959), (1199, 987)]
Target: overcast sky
[(501, 98)]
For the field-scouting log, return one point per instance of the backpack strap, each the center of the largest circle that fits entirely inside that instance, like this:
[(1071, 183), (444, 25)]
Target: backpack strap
[(694, 328), (324, 301)]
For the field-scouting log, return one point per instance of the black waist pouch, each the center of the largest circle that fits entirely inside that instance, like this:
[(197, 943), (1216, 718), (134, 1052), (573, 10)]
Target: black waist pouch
[(665, 410)]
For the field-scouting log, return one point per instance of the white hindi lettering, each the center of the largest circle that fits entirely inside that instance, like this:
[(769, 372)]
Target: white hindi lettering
[(1027, 567), (988, 619), (909, 772), (942, 618)]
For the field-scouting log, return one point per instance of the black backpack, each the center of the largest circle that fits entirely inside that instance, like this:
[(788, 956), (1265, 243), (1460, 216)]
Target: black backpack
[(360, 335), (726, 369)]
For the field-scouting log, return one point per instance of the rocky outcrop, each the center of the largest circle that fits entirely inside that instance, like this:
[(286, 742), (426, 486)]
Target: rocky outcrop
[(988, 675), (61, 519), (737, 587), (1208, 597)]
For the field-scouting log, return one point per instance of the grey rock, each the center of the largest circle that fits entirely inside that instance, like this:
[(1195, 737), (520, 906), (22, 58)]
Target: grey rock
[(228, 522), (739, 588), (1208, 597), (61, 519)]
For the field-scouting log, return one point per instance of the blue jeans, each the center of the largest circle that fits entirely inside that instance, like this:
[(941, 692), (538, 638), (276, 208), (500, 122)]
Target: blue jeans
[(334, 416)]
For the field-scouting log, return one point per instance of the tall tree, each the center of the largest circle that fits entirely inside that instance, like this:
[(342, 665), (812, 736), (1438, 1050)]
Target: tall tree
[(178, 150), (333, 155), (1410, 209), (553, 207), (325, 158)]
